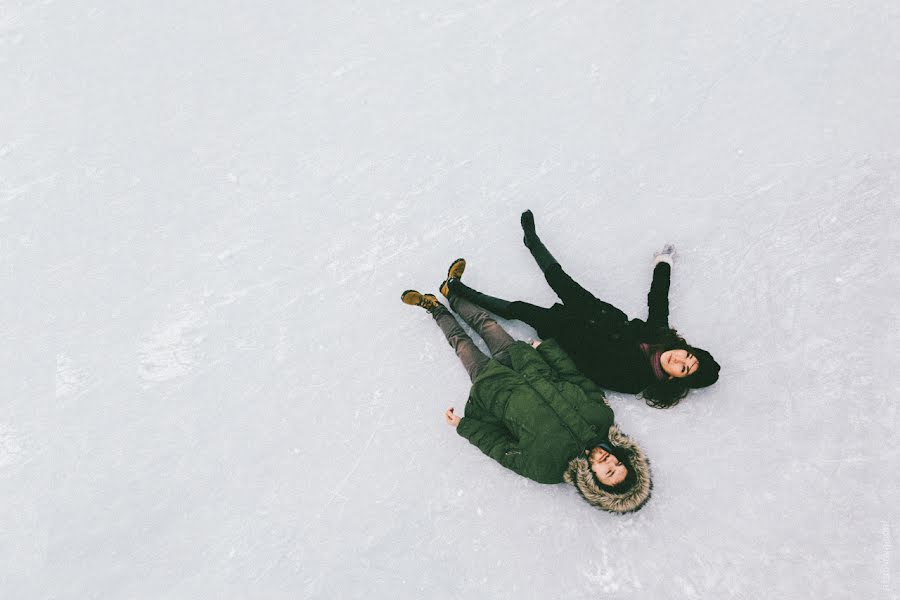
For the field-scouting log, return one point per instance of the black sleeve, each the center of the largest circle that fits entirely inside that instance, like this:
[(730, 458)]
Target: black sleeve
[(658, 298)]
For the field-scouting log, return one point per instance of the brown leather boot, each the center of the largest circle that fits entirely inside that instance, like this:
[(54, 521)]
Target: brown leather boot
[(454, 272), (413, 298)]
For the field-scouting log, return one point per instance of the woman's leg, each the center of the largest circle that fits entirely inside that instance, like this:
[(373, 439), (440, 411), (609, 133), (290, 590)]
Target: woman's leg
[(579, 299), (498, 306), (472, 358), (542, 319), (567, 289), (496, 338)]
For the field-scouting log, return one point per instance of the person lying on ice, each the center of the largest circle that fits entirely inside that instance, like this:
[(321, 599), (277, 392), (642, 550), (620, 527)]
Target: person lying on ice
[(620, 355), (532, 411)]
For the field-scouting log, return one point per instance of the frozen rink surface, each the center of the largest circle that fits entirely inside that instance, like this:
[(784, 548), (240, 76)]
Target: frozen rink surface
[(208, 211)]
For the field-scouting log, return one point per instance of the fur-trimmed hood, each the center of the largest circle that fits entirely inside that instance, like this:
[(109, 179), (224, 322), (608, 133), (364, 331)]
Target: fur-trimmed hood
[(580, 475)]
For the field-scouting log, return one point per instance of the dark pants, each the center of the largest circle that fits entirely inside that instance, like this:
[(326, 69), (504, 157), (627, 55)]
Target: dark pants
[(575, 297), (473, 359)]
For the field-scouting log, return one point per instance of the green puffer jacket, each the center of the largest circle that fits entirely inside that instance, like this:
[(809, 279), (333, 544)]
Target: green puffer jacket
[(538, 415)]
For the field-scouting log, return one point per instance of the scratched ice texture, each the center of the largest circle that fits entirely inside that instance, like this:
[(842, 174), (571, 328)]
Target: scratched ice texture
[(208, 211)]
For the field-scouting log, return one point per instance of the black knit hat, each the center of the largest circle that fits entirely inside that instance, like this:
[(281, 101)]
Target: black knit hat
[(707, 373)]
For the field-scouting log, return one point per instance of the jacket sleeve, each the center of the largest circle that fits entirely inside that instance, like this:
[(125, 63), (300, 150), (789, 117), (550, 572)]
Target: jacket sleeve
[(658, 298), (496, 441)]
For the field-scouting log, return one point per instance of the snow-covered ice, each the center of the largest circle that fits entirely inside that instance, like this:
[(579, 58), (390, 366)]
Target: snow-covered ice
[(208, 212)]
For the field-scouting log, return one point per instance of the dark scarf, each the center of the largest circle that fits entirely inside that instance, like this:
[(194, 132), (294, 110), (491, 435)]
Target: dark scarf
[(655, 365)]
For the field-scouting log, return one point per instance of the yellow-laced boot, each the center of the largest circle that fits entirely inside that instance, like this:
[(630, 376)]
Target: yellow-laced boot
[(413, 298)]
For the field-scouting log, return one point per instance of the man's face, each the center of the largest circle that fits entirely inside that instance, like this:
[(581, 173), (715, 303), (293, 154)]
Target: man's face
[(608, 469)]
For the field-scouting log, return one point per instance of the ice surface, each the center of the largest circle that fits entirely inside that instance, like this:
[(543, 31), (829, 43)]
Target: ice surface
[(208, 212)]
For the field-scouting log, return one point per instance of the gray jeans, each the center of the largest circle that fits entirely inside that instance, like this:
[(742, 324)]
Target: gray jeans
[(473, 359)]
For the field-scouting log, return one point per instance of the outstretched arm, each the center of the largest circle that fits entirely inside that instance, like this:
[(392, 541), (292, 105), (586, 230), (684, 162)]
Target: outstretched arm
[(494, 440), (658, 298), (568, 290)]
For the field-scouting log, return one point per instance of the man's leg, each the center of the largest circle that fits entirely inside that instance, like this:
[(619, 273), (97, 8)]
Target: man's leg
[(496, 338), (472, 358)]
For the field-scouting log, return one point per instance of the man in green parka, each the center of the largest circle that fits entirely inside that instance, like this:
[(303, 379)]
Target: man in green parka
[(533, 412)]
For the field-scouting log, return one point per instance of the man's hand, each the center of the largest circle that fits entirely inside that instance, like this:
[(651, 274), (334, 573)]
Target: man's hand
[(451, 418)]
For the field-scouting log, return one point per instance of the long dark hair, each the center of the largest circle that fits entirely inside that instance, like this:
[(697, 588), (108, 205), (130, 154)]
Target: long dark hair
[(667, 393)]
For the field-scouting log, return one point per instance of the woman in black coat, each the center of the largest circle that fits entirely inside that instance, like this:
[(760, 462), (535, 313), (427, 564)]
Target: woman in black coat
[(631, 356)]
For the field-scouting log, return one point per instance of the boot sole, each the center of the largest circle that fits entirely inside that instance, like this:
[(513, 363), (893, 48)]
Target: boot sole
[(403, 295), (453, 264), (430, 297)]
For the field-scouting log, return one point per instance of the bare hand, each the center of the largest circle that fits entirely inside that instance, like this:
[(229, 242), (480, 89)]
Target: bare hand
[(451, 418)]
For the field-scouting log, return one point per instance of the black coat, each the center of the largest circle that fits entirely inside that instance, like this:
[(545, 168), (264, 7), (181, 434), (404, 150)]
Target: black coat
[(602, 341)]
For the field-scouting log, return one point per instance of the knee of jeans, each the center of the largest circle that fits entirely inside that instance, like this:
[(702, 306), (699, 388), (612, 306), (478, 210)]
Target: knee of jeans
[(457, 340), (479, 318)]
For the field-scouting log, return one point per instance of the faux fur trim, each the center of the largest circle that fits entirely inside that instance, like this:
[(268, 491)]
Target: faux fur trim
[(580, 475)]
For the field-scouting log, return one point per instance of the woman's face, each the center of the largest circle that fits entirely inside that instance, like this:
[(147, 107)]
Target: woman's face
[(608, 469), (679, 363)]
